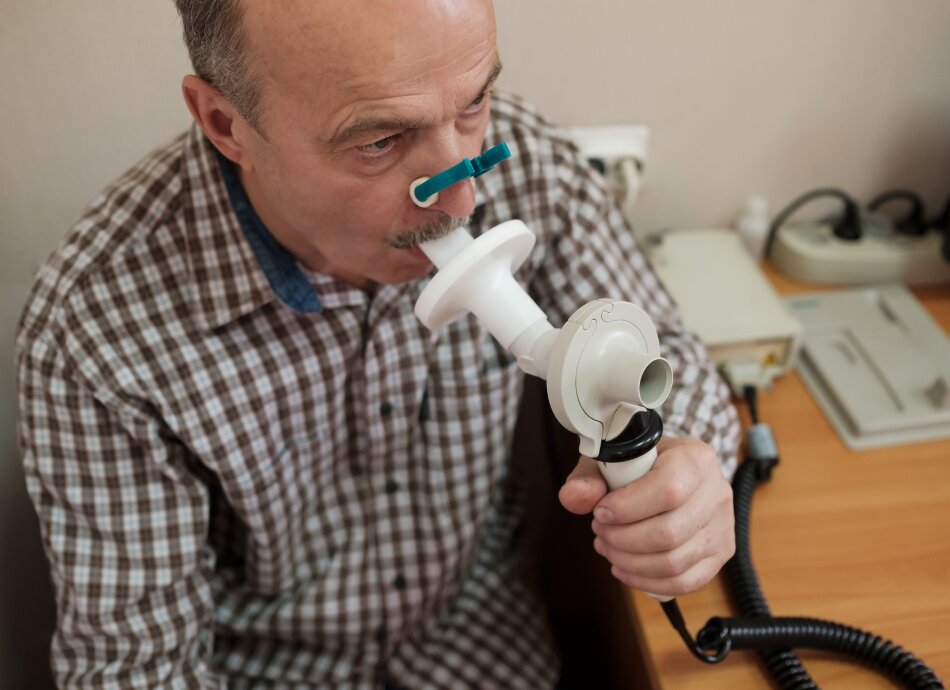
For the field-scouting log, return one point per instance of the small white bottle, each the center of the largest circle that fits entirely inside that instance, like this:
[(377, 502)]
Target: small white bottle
[(753, 224)]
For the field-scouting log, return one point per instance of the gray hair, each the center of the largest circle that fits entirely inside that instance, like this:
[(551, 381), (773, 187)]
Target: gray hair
[(218, 46)]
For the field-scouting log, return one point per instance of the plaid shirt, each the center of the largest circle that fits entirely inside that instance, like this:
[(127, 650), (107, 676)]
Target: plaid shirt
[(249, 475)]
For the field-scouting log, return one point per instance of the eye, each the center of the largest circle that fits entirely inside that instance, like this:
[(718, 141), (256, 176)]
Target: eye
[(476, 105), (379, 147)]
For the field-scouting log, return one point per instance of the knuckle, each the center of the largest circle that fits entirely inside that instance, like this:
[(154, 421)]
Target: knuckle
[(730, 521), (725, 493), (730, 549), (623, 576), (667, 536), (708, 456), (690, 582), (673, 563), (674, 494)]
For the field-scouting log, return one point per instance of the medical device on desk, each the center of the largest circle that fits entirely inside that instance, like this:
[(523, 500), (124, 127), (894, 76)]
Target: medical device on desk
[(605, 379), (877, 364), (732, 308)]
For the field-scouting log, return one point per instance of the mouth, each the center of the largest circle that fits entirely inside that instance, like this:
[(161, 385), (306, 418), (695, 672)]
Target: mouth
[(416, 251), (433, 230)]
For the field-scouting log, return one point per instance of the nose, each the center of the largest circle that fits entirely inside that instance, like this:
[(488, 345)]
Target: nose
[(445, 151), (458, 200)]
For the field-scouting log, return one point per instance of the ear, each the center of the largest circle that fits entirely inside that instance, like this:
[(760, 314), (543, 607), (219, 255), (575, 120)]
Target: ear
[(217, 118)]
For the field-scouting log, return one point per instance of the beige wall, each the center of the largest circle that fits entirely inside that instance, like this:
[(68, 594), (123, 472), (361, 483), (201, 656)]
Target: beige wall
[(747, 96), (742, 96)]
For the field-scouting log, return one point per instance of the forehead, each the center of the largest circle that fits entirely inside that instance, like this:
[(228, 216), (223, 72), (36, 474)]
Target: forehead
[(328, 56)]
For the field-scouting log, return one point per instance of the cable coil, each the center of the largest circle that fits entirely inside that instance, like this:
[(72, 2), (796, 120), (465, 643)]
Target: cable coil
[(776, 637)]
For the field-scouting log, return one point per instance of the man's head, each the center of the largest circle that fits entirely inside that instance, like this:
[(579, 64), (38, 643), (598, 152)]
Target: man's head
[(331, 109), (217, 44)]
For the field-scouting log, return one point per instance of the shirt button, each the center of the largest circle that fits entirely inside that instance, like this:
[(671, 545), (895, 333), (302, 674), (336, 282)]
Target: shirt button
[(386, 409), (392, 486), (399, 582)]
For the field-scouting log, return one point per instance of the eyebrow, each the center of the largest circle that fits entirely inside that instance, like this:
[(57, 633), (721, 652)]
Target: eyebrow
[(386, 124)]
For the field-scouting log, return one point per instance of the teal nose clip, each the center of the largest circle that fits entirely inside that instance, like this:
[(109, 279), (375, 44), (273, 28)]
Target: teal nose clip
[(425, 191)]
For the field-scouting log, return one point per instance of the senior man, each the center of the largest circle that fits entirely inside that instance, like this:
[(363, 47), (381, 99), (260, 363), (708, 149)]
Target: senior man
[(252, 465)]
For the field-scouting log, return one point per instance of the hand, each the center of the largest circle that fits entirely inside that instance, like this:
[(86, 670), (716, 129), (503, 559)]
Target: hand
[(668, 532)]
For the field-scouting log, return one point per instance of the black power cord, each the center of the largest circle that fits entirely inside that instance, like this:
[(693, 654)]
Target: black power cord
[(773, 637), (848, 227), (913, 223), (942, 224)]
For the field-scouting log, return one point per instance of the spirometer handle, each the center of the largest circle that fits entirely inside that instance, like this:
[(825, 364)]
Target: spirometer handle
[(631, 455), (619, 474)]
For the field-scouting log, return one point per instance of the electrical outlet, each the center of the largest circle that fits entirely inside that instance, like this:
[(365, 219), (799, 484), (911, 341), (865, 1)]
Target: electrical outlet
[(620, 153), (613, 143)]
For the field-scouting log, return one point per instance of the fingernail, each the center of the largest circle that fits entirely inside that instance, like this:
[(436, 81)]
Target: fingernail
[(598, 547), (603, 514)]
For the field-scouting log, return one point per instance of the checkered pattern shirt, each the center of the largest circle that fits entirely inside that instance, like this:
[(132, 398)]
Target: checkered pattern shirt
[(239, 491)]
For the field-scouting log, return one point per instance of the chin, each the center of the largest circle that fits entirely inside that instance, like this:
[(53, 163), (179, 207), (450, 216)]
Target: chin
[(408, 266), (405, 275)]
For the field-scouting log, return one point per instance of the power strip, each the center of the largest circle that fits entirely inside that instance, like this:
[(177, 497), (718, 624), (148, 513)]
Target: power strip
[(811, 253)]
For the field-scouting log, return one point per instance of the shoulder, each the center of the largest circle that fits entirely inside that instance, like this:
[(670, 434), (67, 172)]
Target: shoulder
[(114, 247), (544, 153), (538, 140)]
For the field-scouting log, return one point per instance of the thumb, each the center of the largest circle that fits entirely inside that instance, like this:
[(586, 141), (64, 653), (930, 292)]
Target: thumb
[(583, 488)]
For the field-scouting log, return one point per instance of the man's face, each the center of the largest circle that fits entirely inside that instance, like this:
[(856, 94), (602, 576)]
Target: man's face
[(360, 98)]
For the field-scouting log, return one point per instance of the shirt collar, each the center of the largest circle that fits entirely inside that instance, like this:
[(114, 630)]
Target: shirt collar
[(279, 266), (226, 278)]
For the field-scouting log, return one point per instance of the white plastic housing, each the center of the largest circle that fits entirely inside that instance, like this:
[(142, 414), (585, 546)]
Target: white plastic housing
[(605, 367), (619, 474), (602, 367), (476, 276)]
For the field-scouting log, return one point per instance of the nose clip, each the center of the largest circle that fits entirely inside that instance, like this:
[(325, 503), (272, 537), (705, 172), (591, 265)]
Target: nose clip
[(425, 191)]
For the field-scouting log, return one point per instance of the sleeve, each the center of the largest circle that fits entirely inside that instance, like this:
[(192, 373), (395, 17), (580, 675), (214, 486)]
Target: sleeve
[(124, 526), (593, 254)]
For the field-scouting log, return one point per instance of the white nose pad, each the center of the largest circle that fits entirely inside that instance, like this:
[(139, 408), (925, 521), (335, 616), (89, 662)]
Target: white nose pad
[(412, 194)]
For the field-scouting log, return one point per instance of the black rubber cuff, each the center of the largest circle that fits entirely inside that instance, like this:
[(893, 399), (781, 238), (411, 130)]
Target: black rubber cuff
[(642, 434)]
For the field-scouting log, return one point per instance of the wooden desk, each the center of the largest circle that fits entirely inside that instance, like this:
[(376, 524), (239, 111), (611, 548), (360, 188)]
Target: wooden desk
[(861, 538)]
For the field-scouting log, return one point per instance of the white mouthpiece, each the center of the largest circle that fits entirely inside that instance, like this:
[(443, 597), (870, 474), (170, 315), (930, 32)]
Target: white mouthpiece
[(475, 275), (442, 250)]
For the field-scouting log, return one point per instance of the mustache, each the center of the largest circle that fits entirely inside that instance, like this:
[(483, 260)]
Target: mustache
[(428, 231)]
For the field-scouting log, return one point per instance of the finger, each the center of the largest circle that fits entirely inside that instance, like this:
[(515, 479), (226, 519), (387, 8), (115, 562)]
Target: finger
[(694, 579), (708, 543), (711, 504), (654, 535), (678, 471), (583, 488)]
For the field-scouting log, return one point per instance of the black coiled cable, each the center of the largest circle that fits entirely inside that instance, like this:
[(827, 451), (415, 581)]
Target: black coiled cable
[(782, 662), (776, 637), (814, 633)]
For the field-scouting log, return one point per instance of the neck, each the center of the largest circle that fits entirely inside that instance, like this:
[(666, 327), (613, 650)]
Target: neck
[(309, 257)]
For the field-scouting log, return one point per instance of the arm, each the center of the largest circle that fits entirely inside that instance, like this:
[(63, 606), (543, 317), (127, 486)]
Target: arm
[(124, 526), (671, 531)]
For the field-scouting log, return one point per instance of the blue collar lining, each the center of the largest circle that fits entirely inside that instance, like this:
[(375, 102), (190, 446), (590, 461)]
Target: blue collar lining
[(280, 268)]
